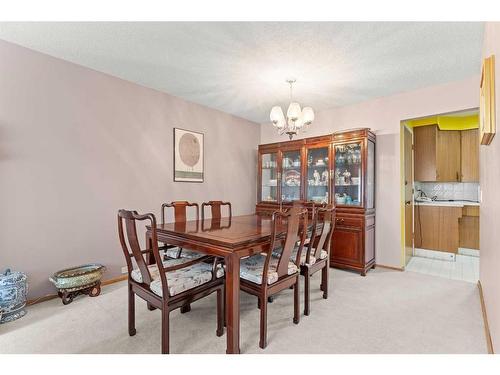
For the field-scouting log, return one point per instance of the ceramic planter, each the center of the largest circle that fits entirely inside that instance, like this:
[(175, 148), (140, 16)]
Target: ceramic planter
[(84, 279), (13, 291)]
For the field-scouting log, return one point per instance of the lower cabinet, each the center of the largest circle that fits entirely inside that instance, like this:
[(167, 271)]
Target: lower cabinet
[(469, 227), (437, 228), (353, 242)]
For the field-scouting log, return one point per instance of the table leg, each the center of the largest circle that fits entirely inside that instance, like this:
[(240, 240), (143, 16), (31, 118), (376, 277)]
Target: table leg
[(233, 303)]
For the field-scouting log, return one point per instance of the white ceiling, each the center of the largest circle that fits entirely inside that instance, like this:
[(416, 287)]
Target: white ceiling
[(241, 68)]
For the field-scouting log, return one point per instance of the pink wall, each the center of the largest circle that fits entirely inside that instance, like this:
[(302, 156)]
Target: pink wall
[(76, 145), (384, 116), (490, 203)]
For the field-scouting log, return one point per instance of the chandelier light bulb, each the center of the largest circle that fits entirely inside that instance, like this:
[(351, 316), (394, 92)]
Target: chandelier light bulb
[(299, 123), (277, 115), (281, 124), (294, 111), (308, 115)]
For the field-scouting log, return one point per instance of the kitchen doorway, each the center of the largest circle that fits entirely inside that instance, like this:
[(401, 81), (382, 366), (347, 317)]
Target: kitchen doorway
[(440, 191)]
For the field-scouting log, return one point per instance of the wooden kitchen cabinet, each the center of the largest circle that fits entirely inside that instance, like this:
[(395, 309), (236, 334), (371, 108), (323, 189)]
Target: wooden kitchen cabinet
[(469, 227), (448, 155), (470, 155), (424, 139), (437, 228), (437, 154)]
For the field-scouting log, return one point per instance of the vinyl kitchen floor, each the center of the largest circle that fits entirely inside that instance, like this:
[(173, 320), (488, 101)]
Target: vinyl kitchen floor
[(465, 267)]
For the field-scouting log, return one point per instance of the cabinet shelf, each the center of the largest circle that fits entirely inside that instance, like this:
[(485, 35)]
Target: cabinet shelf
[(317, 166)]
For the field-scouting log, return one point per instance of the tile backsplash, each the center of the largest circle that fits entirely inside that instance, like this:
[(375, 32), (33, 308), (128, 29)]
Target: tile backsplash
[(449, 190)]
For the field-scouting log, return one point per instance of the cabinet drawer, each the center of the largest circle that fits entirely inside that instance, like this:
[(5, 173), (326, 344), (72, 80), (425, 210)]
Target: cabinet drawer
[(349, 222), (470, 211)]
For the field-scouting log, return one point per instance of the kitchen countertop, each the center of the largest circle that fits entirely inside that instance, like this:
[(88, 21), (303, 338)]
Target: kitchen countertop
[(447, 203)]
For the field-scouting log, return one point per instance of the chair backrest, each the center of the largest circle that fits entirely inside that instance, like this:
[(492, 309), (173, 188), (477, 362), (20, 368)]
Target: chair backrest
[(296, 229), (133, 250), (322, 231), (180, 210), (215, 208)]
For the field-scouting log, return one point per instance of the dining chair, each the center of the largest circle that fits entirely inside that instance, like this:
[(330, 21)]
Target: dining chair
[(215, 208), (180, 217), (316, 256), (166, 285), (263, 275)]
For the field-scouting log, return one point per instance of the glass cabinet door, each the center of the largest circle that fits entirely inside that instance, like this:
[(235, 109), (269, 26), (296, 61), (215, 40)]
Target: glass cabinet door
[(318, 175), (370, 176), (347, 170), (269, 168), (291, 176)]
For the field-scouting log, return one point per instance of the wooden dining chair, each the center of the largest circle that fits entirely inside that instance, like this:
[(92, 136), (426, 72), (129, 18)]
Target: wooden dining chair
[(316, 256), (180, 218), (263, 275), (166, 285), (215, 208)]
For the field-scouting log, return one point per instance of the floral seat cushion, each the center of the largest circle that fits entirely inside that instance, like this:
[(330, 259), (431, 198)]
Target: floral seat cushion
[(252, 269), (179, 280), (303, 256), (185, 253)]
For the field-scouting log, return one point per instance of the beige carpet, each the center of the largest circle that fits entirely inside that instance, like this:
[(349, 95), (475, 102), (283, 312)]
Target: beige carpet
[(385, 312)]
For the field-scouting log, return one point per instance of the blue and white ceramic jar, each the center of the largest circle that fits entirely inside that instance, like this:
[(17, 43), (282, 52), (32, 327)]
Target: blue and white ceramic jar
[(13, 292)]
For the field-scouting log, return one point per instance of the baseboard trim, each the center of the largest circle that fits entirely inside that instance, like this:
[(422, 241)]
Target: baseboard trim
[(389, 267), (114, 280), (48, 297), (487, 333)]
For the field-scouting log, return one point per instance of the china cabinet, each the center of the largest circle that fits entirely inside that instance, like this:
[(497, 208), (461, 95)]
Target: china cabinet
[(337, 168)]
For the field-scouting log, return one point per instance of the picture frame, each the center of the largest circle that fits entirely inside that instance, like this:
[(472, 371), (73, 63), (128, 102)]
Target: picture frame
[(487, 119), (189, 158)]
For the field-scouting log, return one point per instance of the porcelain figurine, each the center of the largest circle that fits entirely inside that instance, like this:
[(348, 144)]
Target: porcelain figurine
[(347, 177), (317, 177), (324, 177), (337, 177)]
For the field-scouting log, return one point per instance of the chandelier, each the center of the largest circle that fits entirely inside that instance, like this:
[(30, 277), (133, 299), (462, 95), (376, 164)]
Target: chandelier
[(296, 119)]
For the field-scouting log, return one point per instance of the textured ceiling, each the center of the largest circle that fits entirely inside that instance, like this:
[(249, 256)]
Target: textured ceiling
[(241, 68)]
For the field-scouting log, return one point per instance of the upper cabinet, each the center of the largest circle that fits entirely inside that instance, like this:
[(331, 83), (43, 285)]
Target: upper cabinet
[(424, 140), (337, 168), (448, 155), (445, 156), (470, 155)]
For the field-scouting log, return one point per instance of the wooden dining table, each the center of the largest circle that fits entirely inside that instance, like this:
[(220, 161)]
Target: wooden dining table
[(231, 238)]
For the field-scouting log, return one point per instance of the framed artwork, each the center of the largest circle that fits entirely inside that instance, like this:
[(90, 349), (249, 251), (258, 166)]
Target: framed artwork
[(487, 121), (188, 156)]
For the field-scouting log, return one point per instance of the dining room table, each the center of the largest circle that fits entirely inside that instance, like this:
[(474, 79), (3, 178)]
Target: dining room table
[(231, 238)]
